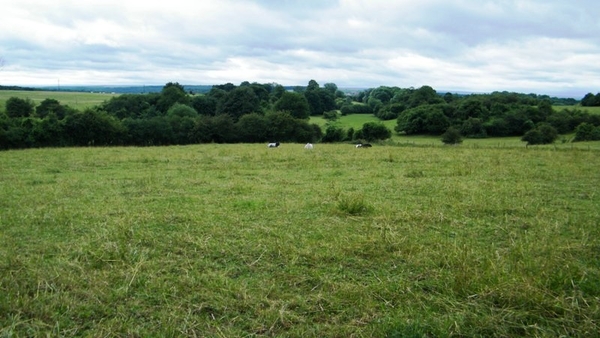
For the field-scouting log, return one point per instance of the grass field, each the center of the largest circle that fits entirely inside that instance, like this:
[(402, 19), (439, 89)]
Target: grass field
[(77, 100), (241, 240)]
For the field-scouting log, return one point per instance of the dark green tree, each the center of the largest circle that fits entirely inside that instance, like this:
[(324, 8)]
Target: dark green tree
[(333, 134), (293, 103), (544, 133), (240, 101), (171, 93), (18, 107), (372, 131), (49, 106), (452, 136), (93, 127), (586, 132), (204, 104), (253, 128), (331, 115), (128, 105)]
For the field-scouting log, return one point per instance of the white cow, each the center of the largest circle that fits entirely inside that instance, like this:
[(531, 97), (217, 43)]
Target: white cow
[(308, 146), (273, 145)]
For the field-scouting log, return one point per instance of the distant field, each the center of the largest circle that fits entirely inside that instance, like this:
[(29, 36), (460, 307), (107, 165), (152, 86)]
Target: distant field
[(77, 100), (244, 241), (357, 120), (591, 110)]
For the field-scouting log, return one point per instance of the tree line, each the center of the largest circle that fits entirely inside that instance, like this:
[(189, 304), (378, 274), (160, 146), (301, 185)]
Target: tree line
[(253, 112)]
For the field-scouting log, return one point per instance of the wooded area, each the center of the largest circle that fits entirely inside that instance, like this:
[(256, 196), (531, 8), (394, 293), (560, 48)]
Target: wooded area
[(253, 112)]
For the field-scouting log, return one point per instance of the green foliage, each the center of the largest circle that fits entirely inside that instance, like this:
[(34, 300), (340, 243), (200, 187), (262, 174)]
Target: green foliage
[(50, 106), (542, 134), (294, 103), (373, 131), (473, 127), (586, 132), (239, 101), (253, 128), (18, 107), (348, 109), (331, 115), (591, 100), (423, 119), (129, 105), (171, 93), (452, 136), (333, 134), (93, 127)]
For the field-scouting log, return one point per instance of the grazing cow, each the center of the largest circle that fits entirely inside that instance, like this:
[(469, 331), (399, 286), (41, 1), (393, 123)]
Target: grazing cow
[(363, 145), (308, 146), (273, 145)]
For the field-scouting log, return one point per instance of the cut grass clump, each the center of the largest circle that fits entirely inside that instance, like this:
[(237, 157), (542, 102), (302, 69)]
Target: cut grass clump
[(353, 205)]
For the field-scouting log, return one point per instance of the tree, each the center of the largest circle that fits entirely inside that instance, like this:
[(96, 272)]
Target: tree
[(590, 100), (18, 107), (49, 106), (171, 93), (424, 95), (293, 103), (93, 127), (204, 104), (181, 110), (586, 132), (542, 134), (253, 128), (331, 115), (451, 136), (240, 101), (331, 87), (127, 105), (372, 131), (333, 134)]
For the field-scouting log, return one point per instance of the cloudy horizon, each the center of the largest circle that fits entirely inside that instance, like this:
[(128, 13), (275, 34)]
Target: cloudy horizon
[(529, 46)]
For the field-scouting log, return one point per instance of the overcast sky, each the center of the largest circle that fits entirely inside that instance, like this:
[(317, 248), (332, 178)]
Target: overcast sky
[(531, 46)]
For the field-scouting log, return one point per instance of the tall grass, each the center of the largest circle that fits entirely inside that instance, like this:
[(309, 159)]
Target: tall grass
[(241, 240)]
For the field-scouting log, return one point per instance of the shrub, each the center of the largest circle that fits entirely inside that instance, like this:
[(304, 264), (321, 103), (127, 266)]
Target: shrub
[(542, 134), (452, 136)]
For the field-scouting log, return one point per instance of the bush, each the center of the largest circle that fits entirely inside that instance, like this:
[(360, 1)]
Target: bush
[(452, 136), (372, 131), (542, 134), (586, 132), (333, 134)]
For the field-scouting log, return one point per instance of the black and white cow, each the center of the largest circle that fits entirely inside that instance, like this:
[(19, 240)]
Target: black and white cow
[(363, 145), (273, 145)]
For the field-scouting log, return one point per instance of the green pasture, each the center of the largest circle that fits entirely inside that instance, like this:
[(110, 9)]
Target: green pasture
[(591, 110), (244, 241), (77, 100)]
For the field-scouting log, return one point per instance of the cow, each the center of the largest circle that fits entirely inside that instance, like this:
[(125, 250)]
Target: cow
[(273, 145), (308, 146), (363, 145)]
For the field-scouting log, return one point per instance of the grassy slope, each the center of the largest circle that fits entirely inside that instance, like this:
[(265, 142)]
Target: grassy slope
[(76, 100), (240, 240)]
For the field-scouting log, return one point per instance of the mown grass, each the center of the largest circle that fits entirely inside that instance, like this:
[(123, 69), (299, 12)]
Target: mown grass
[(77, 100), (241, 240)]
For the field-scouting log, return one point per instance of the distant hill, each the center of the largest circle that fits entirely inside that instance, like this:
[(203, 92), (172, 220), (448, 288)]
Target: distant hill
[(125, 89)]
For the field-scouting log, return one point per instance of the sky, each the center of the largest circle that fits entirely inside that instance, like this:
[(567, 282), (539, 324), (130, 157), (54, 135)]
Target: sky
[(529, 46)]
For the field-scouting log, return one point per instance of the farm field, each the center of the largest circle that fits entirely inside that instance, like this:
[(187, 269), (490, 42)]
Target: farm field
[(77, 100), (241, 240)]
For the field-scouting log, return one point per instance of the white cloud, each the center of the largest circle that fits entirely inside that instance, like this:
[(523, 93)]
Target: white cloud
[(521, 45)]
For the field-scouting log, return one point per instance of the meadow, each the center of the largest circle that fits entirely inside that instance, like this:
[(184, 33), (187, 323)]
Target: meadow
[(77, 100), (241, 240)]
